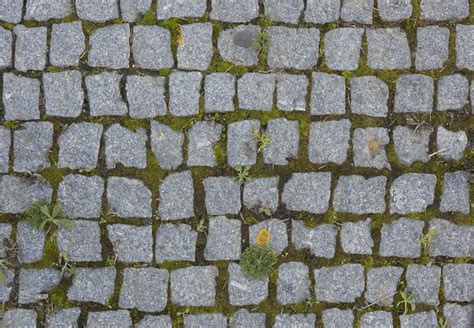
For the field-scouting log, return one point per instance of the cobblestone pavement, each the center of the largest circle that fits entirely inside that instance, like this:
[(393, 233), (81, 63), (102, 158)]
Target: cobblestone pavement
[(172, 132)]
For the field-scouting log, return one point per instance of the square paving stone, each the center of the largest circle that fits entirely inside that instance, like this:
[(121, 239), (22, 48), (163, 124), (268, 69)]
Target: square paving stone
[(128, 198), (35, 282), (320, 240), (420, 319), (17, 318), (286, 11), (176, 196), (388, 48), (21, 97), (185, 91), (335, 318), (329, 141), (195, 51), (5, 144), (465, 47), (414, 94), (412, 192), (63, 94), (116, 319), (109, 47), (237, 45), (356, 237), (92, 285), (245, 319), (214, 320), (241, 143), (432, 47), (323, 11), (343, 283), (382, 285), (293, 283), (412, 145), (456, 282), (81, 243), (234, 11), (255, 91), (394, 10), (151, 47), (369, 96), (97, 11), (175, 242), (184, 8), (278, 234), (202, 137), (358, 11), (444, 10), (284, 141), (219, 92), (342, 48), (376, 319), (125, 147), (455, 195), (11, 12), (146, 96), (166, 145), (131, 243), (223, 239), (244, 290), (144, 289), (79, 146), (328, 95), (103, 92), (6, 48), (30, 48), (358, 195), (451, 144), (295, 320), (451, 240), (31, 146), (400, 238), (194, 286), (453, 92), (66, 317), (155, 321), (22, 194), (459, 315), (222, 195), (67, 44), (291, 92), (369, 147), (308, 192), (43, 10), (424, 281), (296, 48), (5, 233), (261, 193), (132, 10)]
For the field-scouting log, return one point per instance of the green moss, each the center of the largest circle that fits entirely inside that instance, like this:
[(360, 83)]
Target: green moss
[(12, 125), (8, 26), (52, 69), (220, 153), (148, 18), (134, 124), (53, 175)]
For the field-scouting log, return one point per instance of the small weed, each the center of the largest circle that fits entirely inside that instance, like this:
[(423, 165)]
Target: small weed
[(4, 265), (407, 301), (265, 211), (46, 216), (427, 240), (67, 268), (263, 139), (258, 261), (180, 37), (262, 42), (111, 260), (242, 174), (443, 323), (311, 301), (201, 226)]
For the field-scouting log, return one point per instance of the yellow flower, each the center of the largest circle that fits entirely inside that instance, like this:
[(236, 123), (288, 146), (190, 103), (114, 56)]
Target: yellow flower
[(263, 237)]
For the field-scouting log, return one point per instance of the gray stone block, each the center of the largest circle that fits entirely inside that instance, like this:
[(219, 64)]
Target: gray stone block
[(382, 285), (30, 48), (81, 196), (343, 283), (109, 47), (234, 11), (125, 147), (460, 316), (424, 282), (21, 97), (146, 96), (97, 11), (255, 91), (455, 195), (81, 243), (222, 195), (215, 320), (295, 320), (176, 196), (286, 11), (194, 286), (33, 283), (5, 144), (323, 11), (308, 192), (185, 91), (357, 11), (132, 10), (335, 318), (31, 146), (420, 319), (6, 48), (175, 242), (291, 92), (293, 283), (369, 96), (456, 282), (451, 144), (166, 145), (43, 10), (393, 11), (329, 141), (342, 48), (465, 47), (388, 48), (400, 238), (131, 243), (245, 319), (376, 319), (284, 141), (414, 94), (241, 143), (66, 317), (202, 137), (238, 45), (152, 321), (356, 237), (117, 319), (412, 192), (195, 51), (451, 240), (184, 8), (261, 193), (369, 147), (20, 318), (22, 194), (151, 47), (328, 95), (320, 240), (92, 285), (11, 11), (278, 234), (412, 145), (223, 239), (103, 92), (128, 198), (453, 92), (244, 290), (432, 47), (219, 92), (444, 10), (63, 94), (5, 234), (67, 44)]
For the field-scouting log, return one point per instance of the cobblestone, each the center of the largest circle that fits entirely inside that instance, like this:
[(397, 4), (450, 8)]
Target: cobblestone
[(321, 240), (244, 290), (194, 286)]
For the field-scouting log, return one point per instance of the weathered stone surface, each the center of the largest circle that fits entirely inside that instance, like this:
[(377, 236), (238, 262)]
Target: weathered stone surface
[(132, 10), (11, 12), (215, 320), (388, 48), (444, 10), (194, 286), (244, 319), (369, 96), (414, 94), (456, 282), (176, 197), (335, 318), (424, 281), (67, 44), (465, 46), (118, 318), (63, 94), (166, 145), (175, 242), (222, 195), (284, 141), (16, 195), (358, 11), (291, 92), (356, 237), (152, 321), (328, 95), (185, 90), (219, 92), (81, 243), (81, 196), (203, 136), (43, 10), (400, 238), (131, 243), (234, 11), (296, 48), (128, 198), (411, 145), (308, 192), (278, 234), (66, 317), (455, 195), (355, 194), (451, 144), (453, 92), (6, 47), (145, 289), (295, 320), (30, 48), (451, 240), (103, 92), (109, 47), (369, 147), (459, 315), (293, 283), (7, 286), (19, 318), (223, 239), (329, 141), (92, 285), (237, 45), (151, 47), (376, 319), (420, 319), (184, 8), (31, 146), (125, 147), (244, 290), (195, 51), (255, 91), (343, 283), (342, 48), (432, 47), (286, 11), (79, 146), (21, 97), (382, 284), (261, 193), (321, 240), (241, 143), (146, 96), (5, 233), (412, 192), (34, 282), (394, 10), (97, 11), (321, 12), (5, 144)]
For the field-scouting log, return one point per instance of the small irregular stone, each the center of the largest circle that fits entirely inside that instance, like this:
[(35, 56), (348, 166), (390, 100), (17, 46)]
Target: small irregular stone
[(6, 48), (400, 238), (369, 147), (455, 194), (356, 237), (151, 47), (453, 92), (261, 194), (328, 95), (321, 12), (5, 144), (308, 192), (412, 192), (369, 96), (92, 285), (223, 239), (63, 94), (450, 239), (215, 320), (295, 320), (21, 96), (358, 11), (33, 283), (184, 8), (131, 243), (19, 318), (387, 48), (320, 240), (31, 146), (30, 243), (393, 11), (152, 321), (194, 286), (17, 195), (255, 91), (424, 282), (287, 11), (203, 136), (104, 97), (132, 10), (166, 145), (456, 282), (219, 92), (343, 283), (146, 96), (244, 319), (420, 319), (175, 242), (126, 147), (43, 10), (432, 47), (376, 319), (128, 198), (445, 10), (291, 92), (451, 144), (97, 11), (293, 283), (67, 44), (329, 141), (176, 197), (284, 141), (68, 317), (335, 318), (195, 51), (30, 48), (414, 94), (382, 284), (185, 91), (244, 290), (342, 48), (11, 11), (222, 195), (241, 143), (465, 46), (412, 145), (234, 12), (460, 316), (118, 319), (82, 242)]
